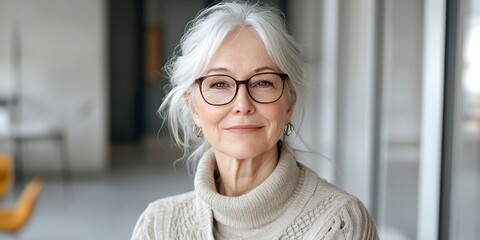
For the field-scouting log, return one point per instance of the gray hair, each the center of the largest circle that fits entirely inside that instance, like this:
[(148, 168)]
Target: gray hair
[(202, 38)]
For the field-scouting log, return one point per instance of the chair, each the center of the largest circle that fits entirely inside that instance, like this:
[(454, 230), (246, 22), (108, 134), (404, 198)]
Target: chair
[(22, 133), (12, 220), (5, 175)]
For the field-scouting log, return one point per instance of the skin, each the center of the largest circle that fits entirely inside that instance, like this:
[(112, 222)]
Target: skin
[(244, 133)]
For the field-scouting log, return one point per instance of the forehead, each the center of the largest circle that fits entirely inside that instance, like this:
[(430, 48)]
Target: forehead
[(242, 52)]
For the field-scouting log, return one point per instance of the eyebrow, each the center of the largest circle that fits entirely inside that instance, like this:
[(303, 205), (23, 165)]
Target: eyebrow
[(263, 69), (219, 69), (257, 70)]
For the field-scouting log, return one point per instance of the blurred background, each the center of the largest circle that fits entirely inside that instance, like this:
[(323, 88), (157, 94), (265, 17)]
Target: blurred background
[(394, 109)]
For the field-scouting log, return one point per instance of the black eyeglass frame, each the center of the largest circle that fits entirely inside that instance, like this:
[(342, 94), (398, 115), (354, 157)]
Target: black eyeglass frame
[(199, 82)]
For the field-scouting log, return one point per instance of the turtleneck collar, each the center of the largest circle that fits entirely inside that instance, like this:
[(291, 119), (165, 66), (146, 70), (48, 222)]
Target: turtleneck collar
[(258, 207)]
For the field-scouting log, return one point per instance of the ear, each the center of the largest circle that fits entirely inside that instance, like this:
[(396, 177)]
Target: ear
[(291, 107), (188, 97)]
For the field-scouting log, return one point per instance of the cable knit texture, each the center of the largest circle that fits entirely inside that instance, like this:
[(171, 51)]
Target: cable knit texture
[(292, 203)]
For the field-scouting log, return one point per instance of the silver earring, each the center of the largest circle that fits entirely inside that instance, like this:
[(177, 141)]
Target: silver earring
[(288, 129), (197, 130)]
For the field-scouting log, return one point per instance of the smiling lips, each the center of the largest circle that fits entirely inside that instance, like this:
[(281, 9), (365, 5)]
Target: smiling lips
[(244, 128)]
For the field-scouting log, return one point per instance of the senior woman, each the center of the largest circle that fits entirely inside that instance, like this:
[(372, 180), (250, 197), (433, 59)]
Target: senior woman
[(235, 83)]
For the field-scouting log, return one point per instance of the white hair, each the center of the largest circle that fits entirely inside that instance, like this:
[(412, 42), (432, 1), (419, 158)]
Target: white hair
[(201, 40)]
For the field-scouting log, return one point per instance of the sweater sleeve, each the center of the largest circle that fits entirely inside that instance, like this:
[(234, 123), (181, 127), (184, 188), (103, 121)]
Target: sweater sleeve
[(151, 223), (158, 219), (144, 229), (351, 222)]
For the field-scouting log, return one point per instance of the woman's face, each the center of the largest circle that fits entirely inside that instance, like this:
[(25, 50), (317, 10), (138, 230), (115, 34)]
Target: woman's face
[(243, 128)]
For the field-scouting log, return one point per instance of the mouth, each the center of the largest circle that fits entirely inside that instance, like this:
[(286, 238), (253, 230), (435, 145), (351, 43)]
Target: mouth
[(244, 128)]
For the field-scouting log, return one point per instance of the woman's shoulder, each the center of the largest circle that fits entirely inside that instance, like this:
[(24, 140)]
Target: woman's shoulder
[(167, 207), (154, 222), (324, 190), (338, 212), (328, 196), (170, 202), (343, 216)]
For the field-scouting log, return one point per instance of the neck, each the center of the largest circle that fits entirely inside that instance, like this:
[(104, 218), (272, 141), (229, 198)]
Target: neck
[(239, 176)]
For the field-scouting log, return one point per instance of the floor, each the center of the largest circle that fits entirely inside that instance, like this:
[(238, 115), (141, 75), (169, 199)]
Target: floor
[(105, 206)]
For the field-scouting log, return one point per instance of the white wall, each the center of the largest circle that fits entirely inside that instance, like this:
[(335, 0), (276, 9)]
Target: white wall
[(63, 75), (403, 67), (310, 21), (337, 42), (5, 71)]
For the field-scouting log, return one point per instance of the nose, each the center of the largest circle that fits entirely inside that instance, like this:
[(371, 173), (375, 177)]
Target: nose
[(242, 103)]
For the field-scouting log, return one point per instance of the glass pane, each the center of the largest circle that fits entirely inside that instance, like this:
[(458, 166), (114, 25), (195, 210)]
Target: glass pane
[(465, 210)]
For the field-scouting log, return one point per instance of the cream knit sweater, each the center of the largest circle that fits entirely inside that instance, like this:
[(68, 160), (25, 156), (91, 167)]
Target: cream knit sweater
[(292, 203)]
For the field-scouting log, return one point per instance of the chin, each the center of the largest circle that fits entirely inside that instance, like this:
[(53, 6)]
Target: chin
[(245, 150)]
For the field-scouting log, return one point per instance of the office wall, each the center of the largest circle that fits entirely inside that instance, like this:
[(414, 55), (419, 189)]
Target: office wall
[(171, 17), (337, 42), (63, 75), (5, 68)]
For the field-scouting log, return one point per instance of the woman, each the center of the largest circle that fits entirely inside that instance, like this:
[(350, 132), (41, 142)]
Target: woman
[(235, 83)]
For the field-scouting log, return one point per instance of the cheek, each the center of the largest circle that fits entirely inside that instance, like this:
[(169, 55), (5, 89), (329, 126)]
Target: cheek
[(275, 131), (281, 113), (277, 118), (207, 115)]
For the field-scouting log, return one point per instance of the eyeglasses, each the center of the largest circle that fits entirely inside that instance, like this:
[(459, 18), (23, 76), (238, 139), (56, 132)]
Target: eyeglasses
[(221, 89)]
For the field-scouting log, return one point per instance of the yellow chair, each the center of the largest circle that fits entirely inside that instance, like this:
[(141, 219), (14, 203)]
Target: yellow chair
[(5, 175), (12, 220)]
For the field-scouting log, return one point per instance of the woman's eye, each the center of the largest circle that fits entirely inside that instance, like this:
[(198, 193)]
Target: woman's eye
[(263, 83), (218, 85)]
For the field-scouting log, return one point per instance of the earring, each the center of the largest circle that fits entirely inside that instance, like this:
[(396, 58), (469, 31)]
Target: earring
[(197, 130), (288, 129)]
